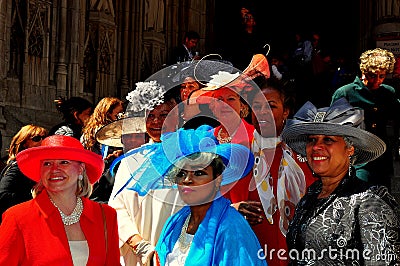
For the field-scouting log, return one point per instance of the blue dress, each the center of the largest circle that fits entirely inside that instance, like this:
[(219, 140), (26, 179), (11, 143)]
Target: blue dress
[(224, 237)]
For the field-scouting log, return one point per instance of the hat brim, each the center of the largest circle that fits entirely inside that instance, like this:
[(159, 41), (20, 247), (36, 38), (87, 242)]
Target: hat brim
[(367, 146), (111, 133), (152, 174), (237, 159), (29, 160)]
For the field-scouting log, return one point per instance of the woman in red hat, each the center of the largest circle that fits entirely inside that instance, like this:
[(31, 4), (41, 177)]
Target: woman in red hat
[(223, 94), (60, 225)]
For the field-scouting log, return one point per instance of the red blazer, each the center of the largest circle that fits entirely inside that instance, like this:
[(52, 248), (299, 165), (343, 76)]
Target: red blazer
[(32, 233), (239, 190)]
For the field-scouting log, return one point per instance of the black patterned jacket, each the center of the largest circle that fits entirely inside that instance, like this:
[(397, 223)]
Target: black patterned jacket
[(355, 225)]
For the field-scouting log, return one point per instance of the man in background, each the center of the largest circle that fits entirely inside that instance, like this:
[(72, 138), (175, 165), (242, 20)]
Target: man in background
[(187, 50)]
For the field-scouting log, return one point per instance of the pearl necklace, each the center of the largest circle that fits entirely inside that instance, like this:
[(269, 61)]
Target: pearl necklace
[(75, 216), (184, 245)]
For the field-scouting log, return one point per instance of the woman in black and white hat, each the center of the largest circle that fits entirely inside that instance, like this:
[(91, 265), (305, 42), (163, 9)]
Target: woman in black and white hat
[(341, 220)]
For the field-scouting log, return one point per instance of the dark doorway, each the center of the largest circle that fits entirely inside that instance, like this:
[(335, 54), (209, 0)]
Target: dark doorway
[(337, 22)]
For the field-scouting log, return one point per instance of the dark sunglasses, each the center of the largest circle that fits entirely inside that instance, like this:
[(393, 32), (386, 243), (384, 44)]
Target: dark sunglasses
[(37, 138)]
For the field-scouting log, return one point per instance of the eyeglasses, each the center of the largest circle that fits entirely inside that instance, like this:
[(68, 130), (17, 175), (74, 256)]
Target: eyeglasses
[(38, 138)]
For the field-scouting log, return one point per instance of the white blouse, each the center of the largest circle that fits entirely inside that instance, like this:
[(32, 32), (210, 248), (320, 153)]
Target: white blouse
[(79, 252), (177, 255)]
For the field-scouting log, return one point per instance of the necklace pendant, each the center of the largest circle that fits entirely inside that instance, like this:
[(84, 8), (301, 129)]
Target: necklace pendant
[(221, 139), (184, 245)]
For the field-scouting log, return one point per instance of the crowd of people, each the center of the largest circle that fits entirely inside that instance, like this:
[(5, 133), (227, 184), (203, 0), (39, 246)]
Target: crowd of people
[(233, 168)]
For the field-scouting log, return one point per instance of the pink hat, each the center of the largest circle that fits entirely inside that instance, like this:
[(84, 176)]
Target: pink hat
[(59, 147)]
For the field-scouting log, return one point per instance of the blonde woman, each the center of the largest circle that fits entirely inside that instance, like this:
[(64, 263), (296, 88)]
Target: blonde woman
[(380, 105), (60, 225), (15, 187)]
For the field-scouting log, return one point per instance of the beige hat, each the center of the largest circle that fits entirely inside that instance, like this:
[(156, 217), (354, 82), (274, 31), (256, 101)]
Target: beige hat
[(111, 134)]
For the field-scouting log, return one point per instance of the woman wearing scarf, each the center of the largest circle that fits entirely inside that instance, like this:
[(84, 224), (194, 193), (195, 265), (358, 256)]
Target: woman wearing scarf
[(207, 231), (280, 175)]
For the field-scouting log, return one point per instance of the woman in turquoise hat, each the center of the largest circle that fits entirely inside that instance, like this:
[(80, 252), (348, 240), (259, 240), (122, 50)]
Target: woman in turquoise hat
[(207, 231)]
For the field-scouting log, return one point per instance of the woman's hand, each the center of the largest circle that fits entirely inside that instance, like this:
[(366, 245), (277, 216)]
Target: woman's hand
[(114, 154), (252, 211), (141, 248)]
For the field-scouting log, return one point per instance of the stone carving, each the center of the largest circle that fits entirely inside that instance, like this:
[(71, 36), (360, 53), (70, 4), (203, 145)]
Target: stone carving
[(388, 8), (154, 15)]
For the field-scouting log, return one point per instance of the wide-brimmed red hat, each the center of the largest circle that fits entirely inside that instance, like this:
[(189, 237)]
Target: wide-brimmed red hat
[(59, 147)]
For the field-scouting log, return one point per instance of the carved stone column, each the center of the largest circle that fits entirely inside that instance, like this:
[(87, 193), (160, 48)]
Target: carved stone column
[(100, 48), (124, 81), (75, 49), (3, 39), (61, 71)]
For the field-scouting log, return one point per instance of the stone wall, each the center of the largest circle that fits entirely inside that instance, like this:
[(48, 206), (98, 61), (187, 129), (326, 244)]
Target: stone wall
[(91, 49)]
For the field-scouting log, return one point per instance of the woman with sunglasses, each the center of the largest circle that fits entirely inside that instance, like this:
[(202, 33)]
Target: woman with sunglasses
[(207, 230), (15, 187)]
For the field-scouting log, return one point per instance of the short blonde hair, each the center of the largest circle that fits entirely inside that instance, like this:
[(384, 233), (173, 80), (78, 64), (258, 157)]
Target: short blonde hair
[(377, 59)]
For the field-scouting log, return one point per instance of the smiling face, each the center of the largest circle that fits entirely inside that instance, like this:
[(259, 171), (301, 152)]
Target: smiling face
[(188, 86), (328, 156), (60, 175), (161, 119), (226, 105), (269, 113)]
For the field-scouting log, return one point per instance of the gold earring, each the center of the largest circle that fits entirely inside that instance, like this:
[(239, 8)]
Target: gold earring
[(244, 112)]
